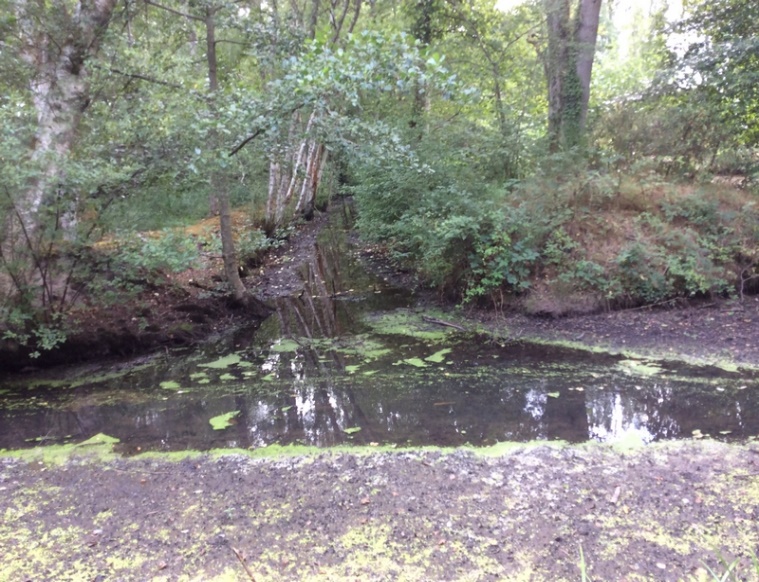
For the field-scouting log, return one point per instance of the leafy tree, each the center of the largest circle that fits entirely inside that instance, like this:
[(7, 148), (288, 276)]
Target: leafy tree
[(721, 61)]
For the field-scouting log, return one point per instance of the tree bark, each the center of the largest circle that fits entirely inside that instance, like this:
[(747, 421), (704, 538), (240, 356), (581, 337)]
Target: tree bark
[(219, 191), (568, 66), (301, 167), (557, 20), (59, 86), (586, 34)]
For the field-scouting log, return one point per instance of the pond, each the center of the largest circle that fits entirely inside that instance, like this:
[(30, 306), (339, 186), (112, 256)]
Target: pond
[(352, 360)]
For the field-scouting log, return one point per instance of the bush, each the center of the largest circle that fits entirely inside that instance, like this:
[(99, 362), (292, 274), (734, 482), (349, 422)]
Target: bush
[(171, 251)]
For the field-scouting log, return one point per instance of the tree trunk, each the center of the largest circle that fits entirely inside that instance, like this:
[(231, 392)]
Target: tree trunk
[(299, 170), (219, 191), (59, 86), (228, 253), (294, 174), (557, 20), (568, 66), (586, 34)]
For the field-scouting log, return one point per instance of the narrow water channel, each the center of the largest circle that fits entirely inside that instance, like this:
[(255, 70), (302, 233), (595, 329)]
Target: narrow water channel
[(351, 360)]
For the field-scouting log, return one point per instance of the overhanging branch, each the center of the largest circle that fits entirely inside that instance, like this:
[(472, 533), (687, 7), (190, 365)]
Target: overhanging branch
[(258, 132), (177, 12), (139, 77)]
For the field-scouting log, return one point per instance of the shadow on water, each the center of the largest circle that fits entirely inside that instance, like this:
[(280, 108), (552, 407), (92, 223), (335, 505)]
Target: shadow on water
[(350, 360)]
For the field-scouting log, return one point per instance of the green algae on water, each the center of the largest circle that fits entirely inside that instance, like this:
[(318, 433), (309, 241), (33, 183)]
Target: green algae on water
[(221, 363), (639, 367), (223, 420), (439, 356), (284, 346), (408, 323), (98, 447), (416, 362)]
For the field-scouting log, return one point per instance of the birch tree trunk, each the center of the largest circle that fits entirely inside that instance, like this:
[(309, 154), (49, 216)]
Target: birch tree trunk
[(60, 89), (300, 168)]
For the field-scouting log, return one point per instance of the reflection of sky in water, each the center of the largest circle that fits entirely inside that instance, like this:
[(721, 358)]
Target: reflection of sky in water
[(535, 403), (307, 397)]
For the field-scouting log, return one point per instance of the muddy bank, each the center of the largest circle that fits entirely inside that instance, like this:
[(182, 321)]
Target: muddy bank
[(182, 310), (191, 306), (699, 331), (663, 512), (721, 331)]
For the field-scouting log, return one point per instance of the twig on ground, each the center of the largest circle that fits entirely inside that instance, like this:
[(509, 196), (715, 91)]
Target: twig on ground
[(244, 565)]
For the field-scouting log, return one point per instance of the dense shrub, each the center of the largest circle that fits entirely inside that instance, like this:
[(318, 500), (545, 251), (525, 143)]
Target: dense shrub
[(570, 238)]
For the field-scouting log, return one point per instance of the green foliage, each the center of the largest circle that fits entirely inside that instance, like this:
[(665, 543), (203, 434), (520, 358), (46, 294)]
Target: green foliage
[(499, 262), (641, 274), (20, 327), (433, 115), (725, 54), (171, 250), (252, 245)]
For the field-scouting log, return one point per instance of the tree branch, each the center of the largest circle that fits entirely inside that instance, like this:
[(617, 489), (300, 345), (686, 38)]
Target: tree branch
[(177, 12), (258, 132), (246, 141), (138, 76)]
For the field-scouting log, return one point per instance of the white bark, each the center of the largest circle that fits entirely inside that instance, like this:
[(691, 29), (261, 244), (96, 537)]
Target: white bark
[(316, 161), (59, 87), (297, 174), (300, 173), (275, 176)]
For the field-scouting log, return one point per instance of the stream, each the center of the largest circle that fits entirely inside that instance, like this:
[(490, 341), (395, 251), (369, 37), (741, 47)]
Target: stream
[(351, 360)]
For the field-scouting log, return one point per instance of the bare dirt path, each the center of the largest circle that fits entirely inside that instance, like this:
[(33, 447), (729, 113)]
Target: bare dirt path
[(665, 512)]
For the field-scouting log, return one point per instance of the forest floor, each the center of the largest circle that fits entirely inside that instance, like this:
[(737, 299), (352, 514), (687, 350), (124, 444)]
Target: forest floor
[(668, 511)]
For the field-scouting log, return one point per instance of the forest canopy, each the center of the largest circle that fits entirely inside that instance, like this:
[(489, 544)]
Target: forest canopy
[(556, 156)]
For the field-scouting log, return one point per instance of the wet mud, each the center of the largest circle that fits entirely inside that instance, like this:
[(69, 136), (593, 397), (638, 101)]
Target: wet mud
[(665, 512)]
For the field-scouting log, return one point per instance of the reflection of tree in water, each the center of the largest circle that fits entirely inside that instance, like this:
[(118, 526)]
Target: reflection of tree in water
[(315, 412), (665, 409), (318, 401)]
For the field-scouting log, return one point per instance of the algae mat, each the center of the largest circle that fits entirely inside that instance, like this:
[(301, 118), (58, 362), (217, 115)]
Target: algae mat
[(663, 512)]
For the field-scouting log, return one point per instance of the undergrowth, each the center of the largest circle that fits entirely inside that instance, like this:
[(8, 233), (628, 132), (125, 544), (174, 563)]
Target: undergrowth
[(568, 239)]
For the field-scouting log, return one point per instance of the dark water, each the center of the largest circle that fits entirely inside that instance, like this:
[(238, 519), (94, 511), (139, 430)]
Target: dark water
[(350, 360)]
